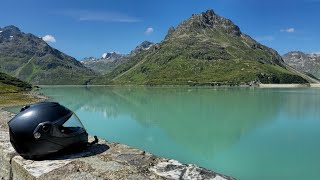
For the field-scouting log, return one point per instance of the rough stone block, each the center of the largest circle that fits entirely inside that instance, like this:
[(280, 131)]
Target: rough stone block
[(6, 154)]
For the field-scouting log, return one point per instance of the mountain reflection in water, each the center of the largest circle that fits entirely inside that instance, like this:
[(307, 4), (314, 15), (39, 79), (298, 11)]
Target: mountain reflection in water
[(193, 125)]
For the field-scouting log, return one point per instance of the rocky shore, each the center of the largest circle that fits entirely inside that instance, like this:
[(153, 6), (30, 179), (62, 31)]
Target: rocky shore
[(104, 160)]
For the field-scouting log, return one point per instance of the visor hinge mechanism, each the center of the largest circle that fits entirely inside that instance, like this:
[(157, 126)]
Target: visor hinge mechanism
[(96, 140)]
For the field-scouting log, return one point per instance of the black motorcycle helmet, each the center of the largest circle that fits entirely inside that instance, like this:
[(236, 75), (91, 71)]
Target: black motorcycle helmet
[(45, 128)]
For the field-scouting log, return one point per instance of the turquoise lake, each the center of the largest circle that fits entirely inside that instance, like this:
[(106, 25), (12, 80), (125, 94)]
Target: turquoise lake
[(248, 133)]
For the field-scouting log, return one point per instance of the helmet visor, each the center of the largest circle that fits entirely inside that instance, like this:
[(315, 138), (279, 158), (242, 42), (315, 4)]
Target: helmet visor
[(73, 121), (68, 125), (72, 125)]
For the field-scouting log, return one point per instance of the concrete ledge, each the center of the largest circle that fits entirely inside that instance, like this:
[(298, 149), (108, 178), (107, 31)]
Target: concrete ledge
[(104, 160), (315, 85), (283, 85)]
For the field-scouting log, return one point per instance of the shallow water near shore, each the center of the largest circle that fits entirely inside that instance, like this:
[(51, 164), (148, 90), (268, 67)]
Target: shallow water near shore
[(248, 133)]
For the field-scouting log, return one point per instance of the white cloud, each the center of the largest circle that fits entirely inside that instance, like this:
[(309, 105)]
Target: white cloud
[(84, 15), (288, 30), (149, 31), (265, 38), (49, 38)]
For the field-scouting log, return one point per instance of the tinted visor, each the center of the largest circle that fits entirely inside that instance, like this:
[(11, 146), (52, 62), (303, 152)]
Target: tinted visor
[(73, 121), (69, 125)]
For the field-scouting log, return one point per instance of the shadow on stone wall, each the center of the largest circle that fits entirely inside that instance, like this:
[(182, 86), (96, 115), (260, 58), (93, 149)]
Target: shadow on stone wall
[(91, 150)]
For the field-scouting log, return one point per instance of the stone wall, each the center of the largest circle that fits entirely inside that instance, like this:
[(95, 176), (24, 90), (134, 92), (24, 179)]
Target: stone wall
[(104, 160)]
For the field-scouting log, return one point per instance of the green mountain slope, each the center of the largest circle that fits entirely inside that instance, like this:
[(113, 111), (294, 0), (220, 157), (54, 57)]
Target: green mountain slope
[(205, 49), (9, 84), (31, 59)]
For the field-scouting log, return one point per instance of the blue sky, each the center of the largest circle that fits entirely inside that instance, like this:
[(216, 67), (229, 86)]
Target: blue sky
[(83, 28)]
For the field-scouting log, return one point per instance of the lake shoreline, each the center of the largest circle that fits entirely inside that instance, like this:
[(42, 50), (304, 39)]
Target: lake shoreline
[(284, 85), (23, 98), (198, 86)]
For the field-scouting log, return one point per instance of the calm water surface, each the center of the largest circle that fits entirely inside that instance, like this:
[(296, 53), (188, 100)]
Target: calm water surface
[(242, 132)]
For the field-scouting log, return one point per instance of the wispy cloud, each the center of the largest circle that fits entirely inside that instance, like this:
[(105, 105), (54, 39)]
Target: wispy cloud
[(265, 38), (288, 30), (49, 38), (149, 31), (84, 15), (312, 1)]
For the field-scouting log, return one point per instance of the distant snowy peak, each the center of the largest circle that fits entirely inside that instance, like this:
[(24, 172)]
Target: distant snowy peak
[(297, 56), (111, 60), (106, 58), (314, 56), (104, 55), (88, 60), (309, 63), (105, 64), (111, 55)]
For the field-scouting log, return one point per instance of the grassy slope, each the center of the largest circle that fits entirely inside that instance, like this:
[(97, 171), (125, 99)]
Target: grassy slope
[(10, 84), (62, 73), (312, 69), (16, 99), (206, 58), (12, 91), (37, 73)]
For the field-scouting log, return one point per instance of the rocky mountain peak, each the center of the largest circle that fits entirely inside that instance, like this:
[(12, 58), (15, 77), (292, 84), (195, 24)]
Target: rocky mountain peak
[(170, 32), (88, 59), (209, 14), (12, 28), (205, 20), (111, 55), (145, 45), (294, 56), (9, 32), (297, 56), (295, 52), (210, 19)]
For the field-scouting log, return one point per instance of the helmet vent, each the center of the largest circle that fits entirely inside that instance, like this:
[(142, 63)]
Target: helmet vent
[(24, 108)]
